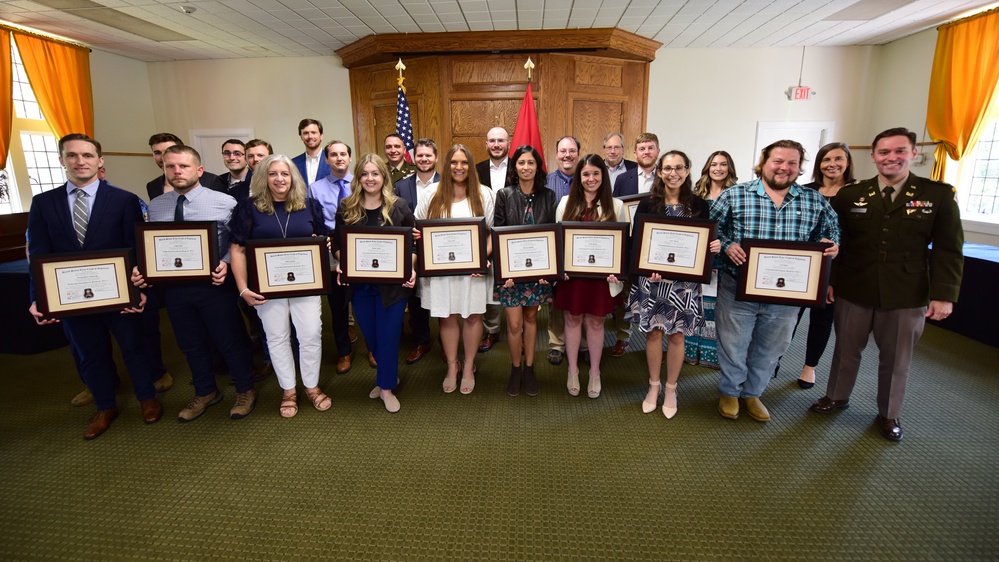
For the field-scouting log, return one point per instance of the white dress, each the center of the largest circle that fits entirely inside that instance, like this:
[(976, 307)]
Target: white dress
[(456, 294)]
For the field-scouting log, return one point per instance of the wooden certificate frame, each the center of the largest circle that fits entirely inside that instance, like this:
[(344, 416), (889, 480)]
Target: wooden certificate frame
[(527, 253), (781, 272), (461, 247), (297, 267), (382, 254), (585, 245), (675, 248), (78, 283), (177, 251)]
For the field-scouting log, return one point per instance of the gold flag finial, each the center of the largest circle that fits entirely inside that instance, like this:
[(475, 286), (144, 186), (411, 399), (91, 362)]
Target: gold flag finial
[(400, 67), (529, 65)]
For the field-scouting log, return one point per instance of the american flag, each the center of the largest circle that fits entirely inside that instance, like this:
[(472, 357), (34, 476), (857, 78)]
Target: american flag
[(404, 124)]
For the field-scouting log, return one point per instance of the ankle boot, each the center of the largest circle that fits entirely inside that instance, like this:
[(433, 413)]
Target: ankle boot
[(513, 387), (530, 381)]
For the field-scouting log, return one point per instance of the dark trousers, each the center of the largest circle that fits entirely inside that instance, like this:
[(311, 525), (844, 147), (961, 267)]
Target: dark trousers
[(151, 331), (382, 329), (203, 315), (419, 321), (339, 316), (90, 336), (820, 323)]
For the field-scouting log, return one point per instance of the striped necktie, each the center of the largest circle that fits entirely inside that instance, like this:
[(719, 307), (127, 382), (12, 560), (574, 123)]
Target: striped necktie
[(80, 216)]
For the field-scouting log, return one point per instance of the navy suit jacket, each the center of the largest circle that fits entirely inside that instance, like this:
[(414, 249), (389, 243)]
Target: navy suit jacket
[(406, 188), (155, 188), (627, 183), (239, 191), (324, 168), (111, 225)]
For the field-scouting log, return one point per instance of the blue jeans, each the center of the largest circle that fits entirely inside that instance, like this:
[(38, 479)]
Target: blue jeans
[(751, 338)]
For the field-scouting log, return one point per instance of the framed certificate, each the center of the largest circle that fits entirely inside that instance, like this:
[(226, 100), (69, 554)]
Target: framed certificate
[(527, 253), (676, 248), (288, 267), (594, 249), (631, 206), (779, 272), (177, 251), (376, 254), (451, 247), (83, 283)]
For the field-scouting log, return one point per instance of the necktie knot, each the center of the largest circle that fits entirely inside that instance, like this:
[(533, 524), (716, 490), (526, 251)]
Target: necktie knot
[(886, 194)]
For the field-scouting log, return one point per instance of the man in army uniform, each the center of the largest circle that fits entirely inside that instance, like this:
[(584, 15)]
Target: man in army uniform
[(886, 280)]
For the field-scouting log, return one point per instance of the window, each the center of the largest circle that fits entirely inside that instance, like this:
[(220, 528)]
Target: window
[(33, 161), (980, 177)]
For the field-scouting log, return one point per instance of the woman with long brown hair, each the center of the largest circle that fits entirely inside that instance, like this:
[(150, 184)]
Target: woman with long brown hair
[(458, 195)]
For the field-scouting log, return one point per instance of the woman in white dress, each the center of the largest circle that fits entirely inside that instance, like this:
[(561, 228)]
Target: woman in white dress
[(458, 195)]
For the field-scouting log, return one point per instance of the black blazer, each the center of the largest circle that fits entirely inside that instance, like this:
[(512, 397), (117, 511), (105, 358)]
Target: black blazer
[(406, 188), (485, 178), (155, 188), (401, 215), (627, 183), (509, 207), (239, 191)]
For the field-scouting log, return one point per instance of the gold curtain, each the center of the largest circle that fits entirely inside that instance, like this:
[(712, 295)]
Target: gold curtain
[(60, 77), (6, 98), (963, 85)]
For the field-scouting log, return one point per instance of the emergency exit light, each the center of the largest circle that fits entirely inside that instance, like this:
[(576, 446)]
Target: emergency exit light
[(798, 93)]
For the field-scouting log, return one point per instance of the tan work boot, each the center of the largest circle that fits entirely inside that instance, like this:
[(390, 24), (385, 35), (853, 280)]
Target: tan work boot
[(244, 404), (198, 405)]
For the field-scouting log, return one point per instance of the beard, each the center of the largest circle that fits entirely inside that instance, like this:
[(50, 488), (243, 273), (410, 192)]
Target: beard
[(776, 184)]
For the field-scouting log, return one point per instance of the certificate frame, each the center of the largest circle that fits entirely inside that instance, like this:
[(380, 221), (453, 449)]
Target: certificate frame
[(630, 203), (756, 284), (61, 282), (476, 247), (352, 266), (507, 266), (644, 259), (149, 234), (316, 278), (618, 231)]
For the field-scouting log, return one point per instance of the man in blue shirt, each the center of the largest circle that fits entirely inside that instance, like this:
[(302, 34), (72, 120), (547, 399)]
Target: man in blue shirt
[(752, 336), (330, 191), (567, 155)]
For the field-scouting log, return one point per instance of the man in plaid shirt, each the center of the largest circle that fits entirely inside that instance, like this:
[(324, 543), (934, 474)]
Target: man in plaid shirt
[(752, 336)]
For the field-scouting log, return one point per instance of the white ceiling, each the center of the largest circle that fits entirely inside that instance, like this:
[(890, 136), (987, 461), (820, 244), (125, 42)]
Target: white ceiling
[(220, 29)]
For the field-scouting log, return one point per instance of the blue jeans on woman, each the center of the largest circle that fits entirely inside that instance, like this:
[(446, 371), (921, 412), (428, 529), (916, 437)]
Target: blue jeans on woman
[(752, 336), (382, 329)]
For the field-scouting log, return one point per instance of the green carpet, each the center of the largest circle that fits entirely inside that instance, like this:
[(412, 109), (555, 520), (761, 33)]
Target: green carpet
[(486, 476)]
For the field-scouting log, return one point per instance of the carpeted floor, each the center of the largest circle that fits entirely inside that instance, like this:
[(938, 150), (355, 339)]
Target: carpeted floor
[(487, 476)]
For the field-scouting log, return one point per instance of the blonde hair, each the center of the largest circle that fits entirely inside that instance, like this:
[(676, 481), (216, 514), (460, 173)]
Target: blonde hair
[(703, 187), (351, 207), (440, 204), (261, 194)]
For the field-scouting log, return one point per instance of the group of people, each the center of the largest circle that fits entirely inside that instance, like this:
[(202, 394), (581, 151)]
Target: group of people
[(884, 278)]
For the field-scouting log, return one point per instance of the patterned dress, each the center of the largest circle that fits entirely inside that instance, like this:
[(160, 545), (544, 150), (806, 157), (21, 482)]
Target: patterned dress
[(524, 294), (671, 306)]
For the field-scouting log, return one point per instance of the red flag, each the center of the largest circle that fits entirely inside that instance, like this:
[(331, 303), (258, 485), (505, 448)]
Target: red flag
[(527, 131)]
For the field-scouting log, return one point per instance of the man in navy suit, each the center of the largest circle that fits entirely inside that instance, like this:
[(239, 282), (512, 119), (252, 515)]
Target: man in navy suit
[(639, 179), (236, 182), (158, 143), (311, 163), (87, 214), (410, 189), (614, 156)]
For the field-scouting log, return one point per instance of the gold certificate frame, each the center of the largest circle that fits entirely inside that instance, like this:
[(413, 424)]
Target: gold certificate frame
[(451, 247), (788, 273), (80, 283), (675, 248), (527, 253), (376, 254), (594, 249), (177, 251), (288, 267)]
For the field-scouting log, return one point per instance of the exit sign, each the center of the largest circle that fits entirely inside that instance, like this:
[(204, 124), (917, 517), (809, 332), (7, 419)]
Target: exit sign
[(800, 93)]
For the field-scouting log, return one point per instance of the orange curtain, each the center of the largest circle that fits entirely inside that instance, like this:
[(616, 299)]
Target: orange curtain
[(963, 85), (60, 77), (6, 98)]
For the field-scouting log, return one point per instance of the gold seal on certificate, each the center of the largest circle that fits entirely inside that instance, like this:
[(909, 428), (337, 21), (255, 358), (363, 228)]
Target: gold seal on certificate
[(177, 251), (376, 254), (594, 249), (451, 247), (83, 283), (779, 272), (527, 253), (288, 267), (676, 248)]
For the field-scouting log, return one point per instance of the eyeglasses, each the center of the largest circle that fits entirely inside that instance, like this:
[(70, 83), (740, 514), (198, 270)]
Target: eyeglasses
[(670, 169), (567, 151), (229, 154)]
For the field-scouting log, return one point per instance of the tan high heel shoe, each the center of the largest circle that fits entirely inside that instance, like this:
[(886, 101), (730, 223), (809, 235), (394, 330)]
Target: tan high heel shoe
[(649, 407)]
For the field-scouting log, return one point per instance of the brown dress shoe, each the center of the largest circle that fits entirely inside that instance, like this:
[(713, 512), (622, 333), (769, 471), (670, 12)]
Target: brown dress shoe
[(826, 405), (488, 342), (371, 360), (152, 410), (418, 353), (100, 423), (890, 428), (343, 363), (619, 348)]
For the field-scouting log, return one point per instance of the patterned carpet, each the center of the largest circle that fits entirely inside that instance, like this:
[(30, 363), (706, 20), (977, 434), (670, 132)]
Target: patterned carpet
[(489, 477)]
